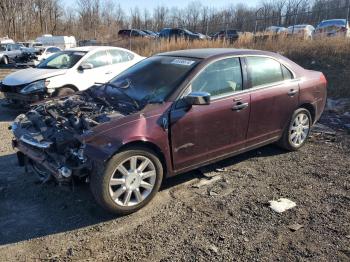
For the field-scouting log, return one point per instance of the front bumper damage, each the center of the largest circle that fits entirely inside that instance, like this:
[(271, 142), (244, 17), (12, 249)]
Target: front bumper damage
[(53, 136), (13, 95), (28, 152)]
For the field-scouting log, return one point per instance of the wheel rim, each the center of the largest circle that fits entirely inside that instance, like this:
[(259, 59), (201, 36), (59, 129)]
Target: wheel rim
[(299, 130), (132, 181)]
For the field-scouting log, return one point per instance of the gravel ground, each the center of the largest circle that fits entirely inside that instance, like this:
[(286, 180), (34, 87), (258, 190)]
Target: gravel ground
[(227, 218)]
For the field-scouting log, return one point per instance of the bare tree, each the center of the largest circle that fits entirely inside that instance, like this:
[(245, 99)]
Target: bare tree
[(86, 19)]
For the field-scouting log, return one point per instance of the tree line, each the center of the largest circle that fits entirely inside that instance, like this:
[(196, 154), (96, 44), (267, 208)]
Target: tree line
[(101, 19)]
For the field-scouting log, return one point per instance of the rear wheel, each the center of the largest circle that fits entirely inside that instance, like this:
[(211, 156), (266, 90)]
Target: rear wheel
[(129, 181), (295, 135)]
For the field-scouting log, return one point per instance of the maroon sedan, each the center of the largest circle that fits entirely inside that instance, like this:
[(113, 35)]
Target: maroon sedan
[(169, 114)]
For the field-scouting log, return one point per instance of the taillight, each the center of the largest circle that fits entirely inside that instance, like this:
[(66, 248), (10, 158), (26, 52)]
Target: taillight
[(323, 79)]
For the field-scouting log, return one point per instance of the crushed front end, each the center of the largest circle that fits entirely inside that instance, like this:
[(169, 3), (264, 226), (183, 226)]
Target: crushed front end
[(48, 137)]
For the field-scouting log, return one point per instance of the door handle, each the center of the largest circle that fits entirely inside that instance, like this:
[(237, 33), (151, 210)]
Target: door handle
[(240, 106), (109, 72), (292, 92)]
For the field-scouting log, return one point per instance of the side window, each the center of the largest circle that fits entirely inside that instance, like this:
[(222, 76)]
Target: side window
[(119, 56), (220, 78), (286, 73), (174, 32), (264, 70), (135, 33), (98, 59)]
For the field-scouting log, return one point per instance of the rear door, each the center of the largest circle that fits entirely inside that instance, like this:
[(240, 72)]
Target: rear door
[(205, 132), (274, 97), (120, 61)]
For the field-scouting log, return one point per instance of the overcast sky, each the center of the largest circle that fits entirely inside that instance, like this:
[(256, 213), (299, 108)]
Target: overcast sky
[(151, 4)]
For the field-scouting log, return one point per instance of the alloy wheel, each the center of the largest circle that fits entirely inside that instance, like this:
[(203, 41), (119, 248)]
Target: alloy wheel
[(132, 181), (299, 130)]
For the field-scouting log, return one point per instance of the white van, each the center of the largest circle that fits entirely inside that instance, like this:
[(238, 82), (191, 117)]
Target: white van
[(63, 42), (6, 40)]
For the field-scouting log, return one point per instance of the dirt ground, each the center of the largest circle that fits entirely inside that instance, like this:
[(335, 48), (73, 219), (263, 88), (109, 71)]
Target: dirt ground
[(225, 220)]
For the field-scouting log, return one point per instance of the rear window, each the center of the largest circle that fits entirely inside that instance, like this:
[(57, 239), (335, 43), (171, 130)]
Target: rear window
[(264, 70), (286, 73)]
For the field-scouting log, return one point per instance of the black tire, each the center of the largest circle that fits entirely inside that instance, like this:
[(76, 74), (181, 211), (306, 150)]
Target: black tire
[(65, 91), (99, 182), (286, 141), (5, 60)]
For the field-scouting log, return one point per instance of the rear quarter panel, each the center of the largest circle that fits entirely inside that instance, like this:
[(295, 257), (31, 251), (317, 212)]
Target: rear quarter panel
[(313, 91)]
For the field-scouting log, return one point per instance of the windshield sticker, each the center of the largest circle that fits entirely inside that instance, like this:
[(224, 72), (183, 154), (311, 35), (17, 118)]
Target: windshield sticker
[(182, 62)]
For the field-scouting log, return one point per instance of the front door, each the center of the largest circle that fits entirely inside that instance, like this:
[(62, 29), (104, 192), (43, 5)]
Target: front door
[(99, 73), (205, 132)]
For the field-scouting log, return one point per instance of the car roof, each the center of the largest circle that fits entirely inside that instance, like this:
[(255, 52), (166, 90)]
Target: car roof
[(93, 48), (206, 53), (342, 20)]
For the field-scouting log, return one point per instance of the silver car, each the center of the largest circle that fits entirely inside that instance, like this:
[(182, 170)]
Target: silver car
[(8, 52)]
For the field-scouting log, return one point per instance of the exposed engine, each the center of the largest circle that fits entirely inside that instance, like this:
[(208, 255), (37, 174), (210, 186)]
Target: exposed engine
[(49, 132)]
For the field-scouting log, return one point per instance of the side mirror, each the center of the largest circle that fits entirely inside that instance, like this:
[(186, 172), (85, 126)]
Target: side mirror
[(85, 66), (198, 98)]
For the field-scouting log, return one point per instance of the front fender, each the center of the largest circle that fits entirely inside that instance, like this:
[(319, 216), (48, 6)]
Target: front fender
[(103, 152)]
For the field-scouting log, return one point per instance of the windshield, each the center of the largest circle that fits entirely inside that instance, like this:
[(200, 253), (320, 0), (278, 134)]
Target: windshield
[(152, 80), (2, 47), (62, 60)]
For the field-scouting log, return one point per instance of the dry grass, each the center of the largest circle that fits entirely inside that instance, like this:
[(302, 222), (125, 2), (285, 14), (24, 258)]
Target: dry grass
[(330, 55)]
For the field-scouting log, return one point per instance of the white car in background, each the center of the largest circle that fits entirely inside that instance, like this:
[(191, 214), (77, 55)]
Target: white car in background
[(276, 29), (45, 52), (302, 31), (66, 72)]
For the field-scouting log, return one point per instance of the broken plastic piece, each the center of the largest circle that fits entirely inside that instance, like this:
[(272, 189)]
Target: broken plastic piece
[(281, 205)]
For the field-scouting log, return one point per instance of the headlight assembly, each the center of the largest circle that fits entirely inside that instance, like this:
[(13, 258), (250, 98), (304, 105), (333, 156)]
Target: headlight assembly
[(35, 87)]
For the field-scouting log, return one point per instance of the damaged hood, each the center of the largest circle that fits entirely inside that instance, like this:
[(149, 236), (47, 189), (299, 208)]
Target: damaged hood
[(62, 122), (30, 75)]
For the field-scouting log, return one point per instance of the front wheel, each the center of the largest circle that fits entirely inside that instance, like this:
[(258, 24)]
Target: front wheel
[(129, 181), (297, 132)]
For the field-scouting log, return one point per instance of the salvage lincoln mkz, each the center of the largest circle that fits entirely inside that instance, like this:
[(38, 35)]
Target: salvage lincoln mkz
[(168, 114)]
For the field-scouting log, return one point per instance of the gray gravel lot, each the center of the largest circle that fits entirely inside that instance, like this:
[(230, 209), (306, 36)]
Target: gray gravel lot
[(228, 219)]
